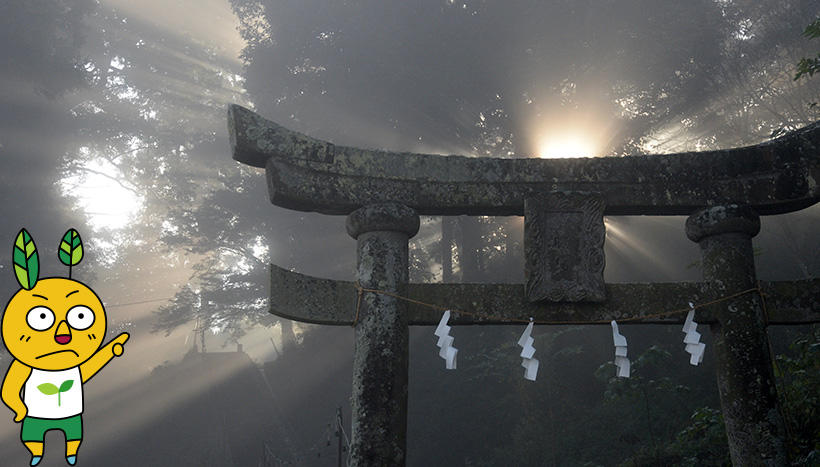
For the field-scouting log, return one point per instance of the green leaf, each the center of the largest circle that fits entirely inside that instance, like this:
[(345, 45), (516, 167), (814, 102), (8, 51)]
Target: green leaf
[(807, 67), (71, 248), (66, 385), (26, 261), (48, 389), (812, 31)]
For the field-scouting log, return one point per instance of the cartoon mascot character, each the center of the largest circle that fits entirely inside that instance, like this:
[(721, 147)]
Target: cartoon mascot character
[(54, 328)]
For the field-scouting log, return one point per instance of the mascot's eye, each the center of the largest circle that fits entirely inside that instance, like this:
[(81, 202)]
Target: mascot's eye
[(80, 317), (40, 318)]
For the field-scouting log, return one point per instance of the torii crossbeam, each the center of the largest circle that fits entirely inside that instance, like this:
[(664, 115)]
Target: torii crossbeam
[(563, 202)]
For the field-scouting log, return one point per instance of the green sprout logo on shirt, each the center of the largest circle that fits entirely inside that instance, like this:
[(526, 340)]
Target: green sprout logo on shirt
[(49, 389)]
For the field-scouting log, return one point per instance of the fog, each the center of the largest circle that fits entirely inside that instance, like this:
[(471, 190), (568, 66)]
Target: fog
[(113, 122)]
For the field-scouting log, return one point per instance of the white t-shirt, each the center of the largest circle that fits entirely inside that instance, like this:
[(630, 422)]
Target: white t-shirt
[(54, 394)]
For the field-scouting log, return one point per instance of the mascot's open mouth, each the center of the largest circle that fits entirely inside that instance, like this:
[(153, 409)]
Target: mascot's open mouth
[(63, 338)]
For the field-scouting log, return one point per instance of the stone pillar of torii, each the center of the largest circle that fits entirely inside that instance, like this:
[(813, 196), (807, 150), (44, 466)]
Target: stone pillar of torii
[(563, 202)]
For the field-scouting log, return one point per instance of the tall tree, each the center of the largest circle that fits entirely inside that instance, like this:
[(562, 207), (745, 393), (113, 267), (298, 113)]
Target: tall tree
[(41, 68)]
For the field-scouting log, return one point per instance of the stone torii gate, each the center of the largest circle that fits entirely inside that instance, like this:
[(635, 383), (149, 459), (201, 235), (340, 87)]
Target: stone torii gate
[(563, 202)]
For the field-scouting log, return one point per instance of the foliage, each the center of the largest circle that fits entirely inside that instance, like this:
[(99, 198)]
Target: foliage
[(39, 69), (809, 66), (228, 231), (798, 375), (666, 413), (577, 412), (701, 443), (328, 78), (660, 400), (41, 39), (703, 440)]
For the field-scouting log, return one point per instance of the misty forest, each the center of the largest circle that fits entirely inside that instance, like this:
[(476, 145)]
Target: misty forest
[(114, 123)]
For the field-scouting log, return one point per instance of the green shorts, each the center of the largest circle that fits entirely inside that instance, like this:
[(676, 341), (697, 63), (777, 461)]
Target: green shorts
[(34, 429)]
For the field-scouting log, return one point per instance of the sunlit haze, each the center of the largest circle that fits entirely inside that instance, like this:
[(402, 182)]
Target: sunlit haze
[(104, 195), (559, 146)]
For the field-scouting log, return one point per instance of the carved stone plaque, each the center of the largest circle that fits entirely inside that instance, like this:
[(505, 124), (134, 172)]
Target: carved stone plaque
[(564, 247)]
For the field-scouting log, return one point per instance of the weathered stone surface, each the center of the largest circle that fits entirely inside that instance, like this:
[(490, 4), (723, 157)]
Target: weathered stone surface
[(564, 247), (325, 301), (722, 219), (312, 175), (386, 216), (379, 397), (254, 139), (748, 399)]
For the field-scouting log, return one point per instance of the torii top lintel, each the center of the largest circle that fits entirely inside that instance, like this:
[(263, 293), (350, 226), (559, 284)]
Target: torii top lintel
[(308, 174)]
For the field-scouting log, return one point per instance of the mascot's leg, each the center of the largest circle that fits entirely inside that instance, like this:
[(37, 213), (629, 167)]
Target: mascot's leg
[(71, 448), (36, 448)]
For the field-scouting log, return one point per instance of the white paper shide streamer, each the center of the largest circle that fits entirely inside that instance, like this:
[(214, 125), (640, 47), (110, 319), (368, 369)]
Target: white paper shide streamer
[(445, 342), (692, 339), (527, 351), (620, 351)]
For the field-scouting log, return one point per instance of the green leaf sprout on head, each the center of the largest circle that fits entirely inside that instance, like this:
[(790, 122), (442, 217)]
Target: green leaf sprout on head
[(26, 261), (70, 251)]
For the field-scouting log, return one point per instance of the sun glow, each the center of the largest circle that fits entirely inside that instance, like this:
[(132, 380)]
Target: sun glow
[(103, 193), (566, 146)]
